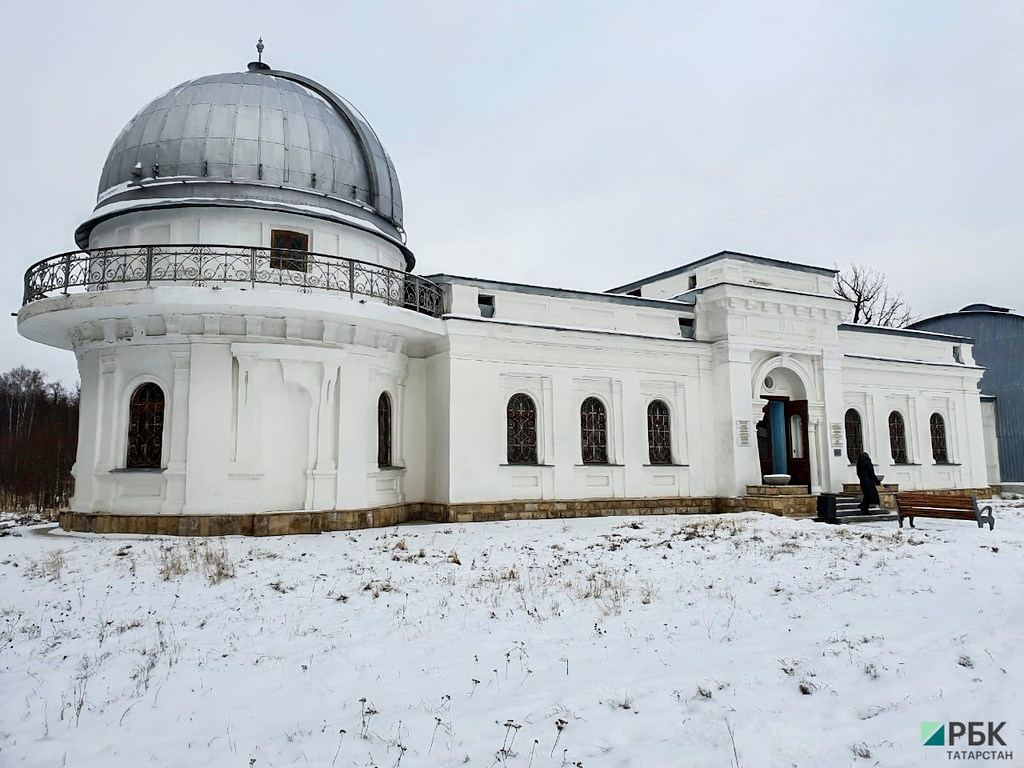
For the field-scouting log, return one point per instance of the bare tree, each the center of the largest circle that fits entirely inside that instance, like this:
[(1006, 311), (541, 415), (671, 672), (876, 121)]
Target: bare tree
[(38, 440), (874, 302)]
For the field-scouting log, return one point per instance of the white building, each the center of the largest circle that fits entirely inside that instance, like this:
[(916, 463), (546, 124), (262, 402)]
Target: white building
[(257, 357)]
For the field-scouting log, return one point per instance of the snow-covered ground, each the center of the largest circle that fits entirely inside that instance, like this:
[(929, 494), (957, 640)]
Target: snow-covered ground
[(745, 640)]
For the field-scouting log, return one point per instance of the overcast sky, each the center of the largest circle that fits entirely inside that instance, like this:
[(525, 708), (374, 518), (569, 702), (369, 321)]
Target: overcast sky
[(579, 144)]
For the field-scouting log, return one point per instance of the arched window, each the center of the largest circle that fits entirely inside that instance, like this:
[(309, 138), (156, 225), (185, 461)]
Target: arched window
[(854, 436), (145, 427), (594, 431), (897, 438), (659, 433), (938, 429), (521, 434), (384, 430)]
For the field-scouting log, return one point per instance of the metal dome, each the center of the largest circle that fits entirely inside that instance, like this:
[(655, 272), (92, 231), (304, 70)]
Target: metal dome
[(276, 136)]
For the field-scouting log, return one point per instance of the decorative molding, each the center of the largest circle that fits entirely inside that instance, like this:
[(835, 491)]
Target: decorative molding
[(254, 325), (172, 325), (211, 324), (109, 325)]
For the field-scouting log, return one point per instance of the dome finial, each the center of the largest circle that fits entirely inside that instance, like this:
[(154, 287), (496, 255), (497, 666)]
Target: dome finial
[(258, 65)]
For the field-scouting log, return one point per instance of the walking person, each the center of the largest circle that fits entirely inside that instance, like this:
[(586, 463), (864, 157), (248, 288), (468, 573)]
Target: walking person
[(868, 482)]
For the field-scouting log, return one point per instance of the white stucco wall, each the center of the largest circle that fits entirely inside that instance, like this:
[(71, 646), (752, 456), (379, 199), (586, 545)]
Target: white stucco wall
[(598, 311), (988, 428), (916, 376), (491, 361), (263, 414), (241, 227)]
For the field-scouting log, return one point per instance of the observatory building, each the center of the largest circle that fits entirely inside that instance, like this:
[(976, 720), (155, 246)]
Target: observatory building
[(257, 355)]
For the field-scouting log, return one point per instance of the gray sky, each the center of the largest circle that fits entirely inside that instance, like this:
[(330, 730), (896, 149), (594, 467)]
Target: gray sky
[(580, 144)]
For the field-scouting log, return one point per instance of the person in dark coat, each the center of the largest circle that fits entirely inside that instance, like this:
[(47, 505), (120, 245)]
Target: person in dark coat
[(868, 482)]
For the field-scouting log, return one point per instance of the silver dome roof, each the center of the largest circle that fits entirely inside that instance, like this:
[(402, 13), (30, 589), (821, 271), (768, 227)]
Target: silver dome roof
[(286, 138)]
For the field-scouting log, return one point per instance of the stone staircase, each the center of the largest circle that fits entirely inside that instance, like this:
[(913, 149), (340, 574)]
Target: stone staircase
[(848, 511)]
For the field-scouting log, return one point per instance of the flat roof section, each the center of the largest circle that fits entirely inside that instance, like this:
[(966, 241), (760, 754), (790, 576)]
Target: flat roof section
[(540, 290), (859, 328)]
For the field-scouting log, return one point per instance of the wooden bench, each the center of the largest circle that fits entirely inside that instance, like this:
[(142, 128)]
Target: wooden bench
[(946, 506)]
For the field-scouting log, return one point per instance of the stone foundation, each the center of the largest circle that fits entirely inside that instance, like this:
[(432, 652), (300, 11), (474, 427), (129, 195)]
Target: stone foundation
[(777, 490), (787, 501), (286, 523), (797, 505)]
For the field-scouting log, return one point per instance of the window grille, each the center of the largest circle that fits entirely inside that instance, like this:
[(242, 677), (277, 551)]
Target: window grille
[(659, 433), (854, 436), (897, 438), (384, 430), (521, 435), (594, 431), (145, 427), (940, 455), (289, 250)]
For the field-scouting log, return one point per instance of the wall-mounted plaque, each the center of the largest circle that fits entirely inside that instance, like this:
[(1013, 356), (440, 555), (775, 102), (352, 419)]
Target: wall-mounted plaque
[(837, 435), (743, 433)]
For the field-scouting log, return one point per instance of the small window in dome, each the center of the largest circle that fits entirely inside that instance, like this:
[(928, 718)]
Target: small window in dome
[(288, 250)]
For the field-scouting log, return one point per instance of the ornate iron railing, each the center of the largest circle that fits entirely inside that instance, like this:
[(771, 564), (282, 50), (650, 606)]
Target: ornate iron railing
[(202, 265)]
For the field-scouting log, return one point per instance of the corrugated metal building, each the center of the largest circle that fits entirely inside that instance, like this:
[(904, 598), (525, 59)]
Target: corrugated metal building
[(998, 346)]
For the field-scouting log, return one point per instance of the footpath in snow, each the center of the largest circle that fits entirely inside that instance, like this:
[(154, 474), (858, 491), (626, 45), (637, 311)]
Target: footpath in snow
[(741, 641)]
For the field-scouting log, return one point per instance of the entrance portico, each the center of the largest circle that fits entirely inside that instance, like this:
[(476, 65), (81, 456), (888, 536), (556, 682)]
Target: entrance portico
[(782, 429)]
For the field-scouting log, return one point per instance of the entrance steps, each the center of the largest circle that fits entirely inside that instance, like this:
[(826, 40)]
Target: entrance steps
[(848, 511)]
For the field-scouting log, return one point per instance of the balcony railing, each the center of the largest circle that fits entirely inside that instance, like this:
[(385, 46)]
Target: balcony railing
[(202, 265)]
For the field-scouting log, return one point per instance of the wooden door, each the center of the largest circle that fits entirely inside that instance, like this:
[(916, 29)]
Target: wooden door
[(798, 451)]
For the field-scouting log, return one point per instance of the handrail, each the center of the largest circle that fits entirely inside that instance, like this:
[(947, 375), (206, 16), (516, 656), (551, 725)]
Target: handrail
[(98, 269)]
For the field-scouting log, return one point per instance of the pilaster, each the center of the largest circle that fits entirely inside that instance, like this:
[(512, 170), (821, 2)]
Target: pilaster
[(736, 459), (209, 434), (833, 468), (175, 475)]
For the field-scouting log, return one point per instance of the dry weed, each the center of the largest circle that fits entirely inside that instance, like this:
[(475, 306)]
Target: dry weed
[(178, 559), (49, 566)]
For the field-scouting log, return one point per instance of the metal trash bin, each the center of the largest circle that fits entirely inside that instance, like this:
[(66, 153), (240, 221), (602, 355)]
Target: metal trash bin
[(827, 507)]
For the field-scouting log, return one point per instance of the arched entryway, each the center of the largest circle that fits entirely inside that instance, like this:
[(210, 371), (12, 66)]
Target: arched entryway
[(782, 436)]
